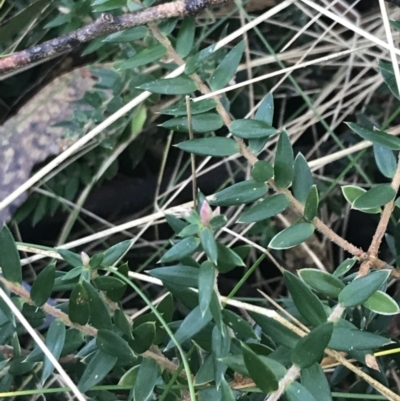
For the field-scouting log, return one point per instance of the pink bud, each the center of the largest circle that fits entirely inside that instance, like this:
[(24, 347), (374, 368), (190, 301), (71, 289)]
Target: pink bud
[(217, 211), (206, 213)]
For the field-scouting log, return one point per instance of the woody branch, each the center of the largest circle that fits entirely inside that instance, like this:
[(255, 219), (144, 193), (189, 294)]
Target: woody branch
[(104, 25)]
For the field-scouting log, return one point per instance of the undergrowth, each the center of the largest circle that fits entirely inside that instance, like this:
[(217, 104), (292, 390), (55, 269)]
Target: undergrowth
[(222, 220)]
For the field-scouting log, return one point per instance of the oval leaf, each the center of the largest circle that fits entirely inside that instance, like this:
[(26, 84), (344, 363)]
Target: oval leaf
[(262, 171), (259, 372), (113, 344), (302, 179), (250, 129), (265, 209), (375, 197), (201, 123), (385, 160), (227, 68), (306, 302), (55, 339), (310, 349), (376, 137), (43, 285), (382, 303), (240, 193), (181, 85), (180, 250), (178, 275), (292, 236), (78, 306), (359, 290), (9, 259), (143, 57), (98, 368), (311, 205), (146, 379), (284, 162), (265, 112), (209, 244), (206, 285), (212, 146), (322, 282)]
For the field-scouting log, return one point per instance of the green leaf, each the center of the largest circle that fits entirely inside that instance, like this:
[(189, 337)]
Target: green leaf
[(381, 303), (122, 322), (226, 391), (212, 146), (296, 392), (176, 224), (267, 208), (240, 193), (209, 244), (113, 344), (55, 343), (108, 283), (310, 349), (344, 267), (180, 109), (276, 331), (78, 305), (143, 57), (375, 197), (186, 276), (311, 205), (284, 162), (143, 337), (376, 137), (227, 68), (265, 112), (322, 282), (181, 85), (98, 368), (385, 160), (306, 302), (197, 61), (353, 192), (146, 380), (99, 314), (220, 345), (72, 258), (251, 129), (180, 250), (201, 123), (292, 236), (314, 380), (43, 285), (262, 171), (184, 41), (127, 35), (9, 258), (359, 290), (129, 377), (348, 339), (206, 373), (387, 72), (259, 372), (191, 325), (117, 251), (302, 179), (227, 259), (206, 285), (242, 329)]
